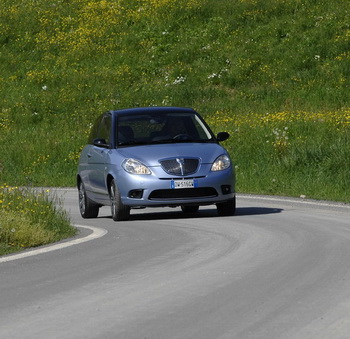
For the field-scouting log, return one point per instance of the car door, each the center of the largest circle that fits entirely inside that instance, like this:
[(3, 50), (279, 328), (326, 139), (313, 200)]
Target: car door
[(98, 157)]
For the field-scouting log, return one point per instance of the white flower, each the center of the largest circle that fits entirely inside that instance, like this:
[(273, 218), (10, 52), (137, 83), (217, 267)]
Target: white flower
[(166, 101), (44, 88), (179, 80), (211, 76)]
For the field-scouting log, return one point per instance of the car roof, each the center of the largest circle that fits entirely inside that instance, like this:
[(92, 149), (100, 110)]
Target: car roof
[(158, 109)]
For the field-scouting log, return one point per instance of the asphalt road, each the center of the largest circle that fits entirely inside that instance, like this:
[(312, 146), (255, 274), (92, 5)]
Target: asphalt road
[(278, 269)]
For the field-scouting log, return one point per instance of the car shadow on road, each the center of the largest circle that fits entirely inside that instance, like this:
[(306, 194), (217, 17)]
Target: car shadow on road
[(146, 214), (204, 212), (257, 210)]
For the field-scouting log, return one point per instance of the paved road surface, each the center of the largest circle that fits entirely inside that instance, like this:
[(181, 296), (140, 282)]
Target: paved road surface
[(278, 269)]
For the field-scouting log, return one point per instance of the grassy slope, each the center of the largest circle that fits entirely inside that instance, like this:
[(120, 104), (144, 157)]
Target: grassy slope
[(31, 218), (64, 62)]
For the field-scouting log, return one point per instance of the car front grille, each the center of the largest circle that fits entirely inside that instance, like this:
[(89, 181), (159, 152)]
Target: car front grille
[(180, 166), (183, 193)]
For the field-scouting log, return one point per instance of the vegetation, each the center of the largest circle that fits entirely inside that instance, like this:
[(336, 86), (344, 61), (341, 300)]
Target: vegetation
[(273, 73), (291, 153), (29, 219)]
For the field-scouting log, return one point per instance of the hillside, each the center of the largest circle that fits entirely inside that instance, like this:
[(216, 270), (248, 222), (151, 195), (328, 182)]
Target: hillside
[(64, 62)]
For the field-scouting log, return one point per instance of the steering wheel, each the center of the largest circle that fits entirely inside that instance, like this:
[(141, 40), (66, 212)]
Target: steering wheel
[(182, 136)]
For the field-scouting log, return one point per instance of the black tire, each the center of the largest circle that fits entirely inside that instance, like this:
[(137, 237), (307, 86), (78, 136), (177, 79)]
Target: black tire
[(227, 208), (190, 209), (88, 209), (120, 212)]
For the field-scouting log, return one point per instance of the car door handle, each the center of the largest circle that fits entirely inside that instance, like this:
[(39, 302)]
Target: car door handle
[(89, 155)]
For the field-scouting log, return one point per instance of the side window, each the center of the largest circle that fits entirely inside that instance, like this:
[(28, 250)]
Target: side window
[(101, 129), (105, 129), (94, 130)]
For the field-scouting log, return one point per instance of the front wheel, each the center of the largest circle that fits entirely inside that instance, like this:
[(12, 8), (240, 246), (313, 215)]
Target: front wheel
[(88, 209), (227, 208), (120, 212)]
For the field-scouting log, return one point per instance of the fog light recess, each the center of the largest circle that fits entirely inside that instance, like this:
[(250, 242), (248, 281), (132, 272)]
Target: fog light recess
[(135, 194), (226, 189)]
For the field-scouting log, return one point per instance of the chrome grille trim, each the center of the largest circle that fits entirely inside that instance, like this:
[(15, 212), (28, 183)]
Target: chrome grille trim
[(180, 166)]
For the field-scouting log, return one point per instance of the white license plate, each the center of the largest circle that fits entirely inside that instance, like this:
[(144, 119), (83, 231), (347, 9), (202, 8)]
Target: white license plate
[(184, 184)]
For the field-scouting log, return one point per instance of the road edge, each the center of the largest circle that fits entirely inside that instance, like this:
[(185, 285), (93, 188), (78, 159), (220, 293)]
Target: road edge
[(95, 234)]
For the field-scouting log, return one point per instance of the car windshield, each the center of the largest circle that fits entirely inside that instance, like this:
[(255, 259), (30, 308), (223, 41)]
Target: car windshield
[(155, 128)]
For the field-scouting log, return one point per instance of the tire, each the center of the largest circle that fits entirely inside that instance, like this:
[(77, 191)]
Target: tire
[(190, 209), (120, 212), (227, 208), (88, 209)]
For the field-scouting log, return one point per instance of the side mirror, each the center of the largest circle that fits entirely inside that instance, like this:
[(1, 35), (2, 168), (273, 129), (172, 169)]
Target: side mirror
[(222, 136), (101, 143)]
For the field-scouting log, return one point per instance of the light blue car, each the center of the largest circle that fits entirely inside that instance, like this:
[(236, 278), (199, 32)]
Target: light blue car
[(152, 157)]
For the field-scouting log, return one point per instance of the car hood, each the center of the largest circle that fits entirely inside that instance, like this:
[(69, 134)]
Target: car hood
[(151, 154)]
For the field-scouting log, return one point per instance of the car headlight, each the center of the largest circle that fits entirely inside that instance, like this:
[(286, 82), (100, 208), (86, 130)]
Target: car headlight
[(134, 166), (221, 163)]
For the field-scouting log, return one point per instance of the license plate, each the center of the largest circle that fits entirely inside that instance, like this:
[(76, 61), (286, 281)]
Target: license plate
[(184, 184)]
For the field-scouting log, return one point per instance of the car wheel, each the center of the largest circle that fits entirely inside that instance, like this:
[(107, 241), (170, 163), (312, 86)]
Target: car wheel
[(120, 212), (88, 209), (227, 208), (190, 209)]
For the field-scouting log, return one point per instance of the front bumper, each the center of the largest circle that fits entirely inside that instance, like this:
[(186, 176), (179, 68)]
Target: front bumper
[(158, 190)]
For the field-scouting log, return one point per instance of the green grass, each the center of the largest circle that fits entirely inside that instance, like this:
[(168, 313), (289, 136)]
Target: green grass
[(30, 218), (62, 63), (290, 153)]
